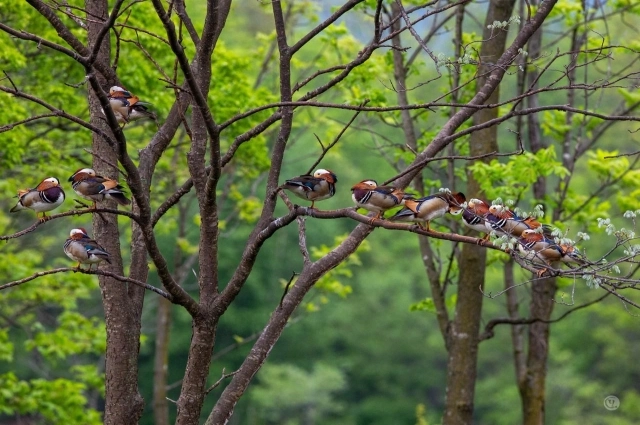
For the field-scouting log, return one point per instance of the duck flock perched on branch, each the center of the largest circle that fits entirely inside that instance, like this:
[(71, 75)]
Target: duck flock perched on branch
[(535, 240)]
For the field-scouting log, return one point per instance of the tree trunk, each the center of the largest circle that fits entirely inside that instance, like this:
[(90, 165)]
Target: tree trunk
[(517, 331), (160, 402), (532, 387), (463, 337), (122, 305), (542, 293)]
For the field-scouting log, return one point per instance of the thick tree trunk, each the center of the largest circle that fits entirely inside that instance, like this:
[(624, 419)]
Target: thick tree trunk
[(122, 305), (463, 337), (542, 293)]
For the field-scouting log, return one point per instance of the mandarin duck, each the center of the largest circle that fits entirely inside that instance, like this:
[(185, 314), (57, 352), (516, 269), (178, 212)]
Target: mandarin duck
[(540, 249), (368, 195), (95, 188), (81, 248), (423, 210), (474, 215), (48, 195), (321, 185), (506, 222), (127, 107)]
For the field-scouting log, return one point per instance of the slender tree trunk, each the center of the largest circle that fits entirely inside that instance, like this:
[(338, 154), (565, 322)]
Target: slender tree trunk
[(122, 305), (163, 316), (517, 331), (463, 335), (160, 402), (409, 131)]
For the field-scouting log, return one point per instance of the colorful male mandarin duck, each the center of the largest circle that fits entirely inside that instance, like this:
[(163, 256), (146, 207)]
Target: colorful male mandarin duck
[(48, 195), (81, 248), (474, 215), (538, 248), (505, 222), (97, 188), (127, 107), (368, 195), (423, 210), (321, 185)]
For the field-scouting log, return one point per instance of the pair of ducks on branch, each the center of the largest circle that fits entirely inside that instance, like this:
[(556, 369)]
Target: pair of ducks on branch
[(49, 195), (535, 240)]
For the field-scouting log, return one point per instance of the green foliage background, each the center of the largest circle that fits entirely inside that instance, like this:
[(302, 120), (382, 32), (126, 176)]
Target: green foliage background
[(365, 348)]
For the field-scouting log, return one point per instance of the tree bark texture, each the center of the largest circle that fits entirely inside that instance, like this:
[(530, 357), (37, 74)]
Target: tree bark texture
[(542, 293), (463, 336), (517, 331), (122, 305), (160, 364)]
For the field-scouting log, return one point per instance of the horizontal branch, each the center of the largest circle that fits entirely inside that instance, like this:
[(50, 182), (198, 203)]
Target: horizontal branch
[(391, 225), (56, 111), (83, 271), (23, 35), (11, 126), (39, 223), (489, 328), (429, 105)]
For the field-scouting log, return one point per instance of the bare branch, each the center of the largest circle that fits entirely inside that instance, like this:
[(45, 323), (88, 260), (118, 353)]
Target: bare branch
[(58, 112), (39, 223), (219, 381), (83, 271), (82, 52), (417, 37), (336, 139), (11, 126)]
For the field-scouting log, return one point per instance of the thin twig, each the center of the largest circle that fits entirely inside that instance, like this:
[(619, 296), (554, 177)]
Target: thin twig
[(337, 138), (417, 37), (25, 121), (489, 332), (286, 288), (219, 381)]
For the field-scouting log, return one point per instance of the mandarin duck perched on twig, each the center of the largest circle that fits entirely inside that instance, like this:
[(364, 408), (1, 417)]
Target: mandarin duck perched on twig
[(540, 249), (127, 107), (48, 195), (423, 210), (506, 222), (321, 185), (474, 215), (368, 195), (81, 248), (95, 188)]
